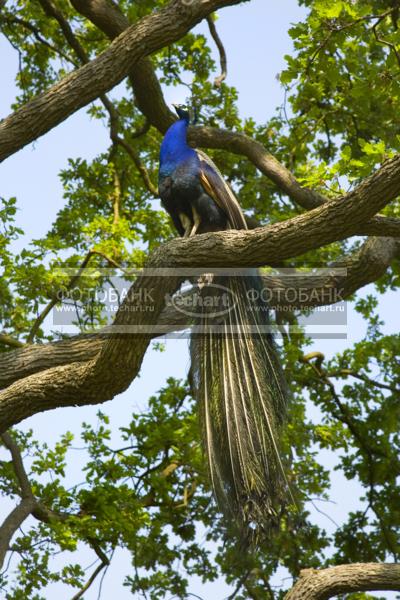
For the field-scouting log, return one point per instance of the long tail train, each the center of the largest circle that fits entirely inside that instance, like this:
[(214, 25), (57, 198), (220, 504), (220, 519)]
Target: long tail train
[(240, 388)]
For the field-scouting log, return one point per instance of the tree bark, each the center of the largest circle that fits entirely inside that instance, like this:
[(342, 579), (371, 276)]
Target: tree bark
[(343, 579)]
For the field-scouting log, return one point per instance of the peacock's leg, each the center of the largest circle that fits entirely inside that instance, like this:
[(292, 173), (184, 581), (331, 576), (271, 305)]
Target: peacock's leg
[(196, 222), (186, 224)]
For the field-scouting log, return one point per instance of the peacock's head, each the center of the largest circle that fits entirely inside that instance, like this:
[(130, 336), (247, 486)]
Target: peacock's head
[(182, 111)]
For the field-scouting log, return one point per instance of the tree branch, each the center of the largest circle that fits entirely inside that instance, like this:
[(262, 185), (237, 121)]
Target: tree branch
[(11, 523), (104, 562), (222, 54), (123, 56), (149, 98), (148, 94), (10, 341), (343, 579), (138, 164), (52, 11), (360, 268), (95, 381), (91, 80), (17, 516), (266, 163)]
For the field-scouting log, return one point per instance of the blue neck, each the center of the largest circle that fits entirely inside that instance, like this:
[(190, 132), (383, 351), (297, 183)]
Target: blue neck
[(174, 148)]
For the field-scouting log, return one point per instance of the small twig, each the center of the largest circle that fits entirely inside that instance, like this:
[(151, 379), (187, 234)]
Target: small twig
[(91, 579), (139, 165), (55, 300), (16, 20), (117, 196), (318, 356), (140, 130), (110, 260), (385, 42), (356, 375), (20, 68), (222, 54), (104, 574), (321, 512), (239, 586), (334, 30)]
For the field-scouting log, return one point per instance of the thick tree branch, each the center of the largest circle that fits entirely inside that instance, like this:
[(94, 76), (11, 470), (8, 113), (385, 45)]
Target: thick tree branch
[(39, 357), (88, 82), (360, 268), (99, 380), (382, 226), (239, 143), (335, 220), (343, 579), (356, 270), (266, 163)]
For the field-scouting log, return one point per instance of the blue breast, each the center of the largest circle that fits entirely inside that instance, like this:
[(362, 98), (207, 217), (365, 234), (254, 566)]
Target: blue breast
[(175, 150)]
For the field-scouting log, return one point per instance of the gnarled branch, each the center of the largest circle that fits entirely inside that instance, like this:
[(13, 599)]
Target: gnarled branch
[(358, 269)]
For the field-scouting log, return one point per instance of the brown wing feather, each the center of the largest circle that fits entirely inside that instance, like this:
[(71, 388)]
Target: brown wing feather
[(216, 187)]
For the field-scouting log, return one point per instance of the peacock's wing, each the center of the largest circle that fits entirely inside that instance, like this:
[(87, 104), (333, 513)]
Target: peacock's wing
[(217, 188)]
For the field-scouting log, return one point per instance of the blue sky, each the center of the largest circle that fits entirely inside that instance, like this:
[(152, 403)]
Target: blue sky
[(255, 37)]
